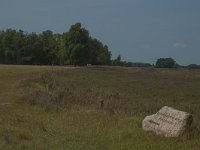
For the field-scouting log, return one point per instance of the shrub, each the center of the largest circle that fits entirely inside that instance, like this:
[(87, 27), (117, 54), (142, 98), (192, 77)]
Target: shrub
[(165, 63)]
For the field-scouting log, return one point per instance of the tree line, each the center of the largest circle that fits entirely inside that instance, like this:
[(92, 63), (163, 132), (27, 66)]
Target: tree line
[(75, 47), (160, 63), (119, 62)]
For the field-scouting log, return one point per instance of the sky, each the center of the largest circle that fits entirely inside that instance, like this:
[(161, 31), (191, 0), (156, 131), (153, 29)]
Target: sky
[(138, 30)]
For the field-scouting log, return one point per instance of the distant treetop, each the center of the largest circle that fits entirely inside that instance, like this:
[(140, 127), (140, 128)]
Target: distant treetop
[(165, 63)]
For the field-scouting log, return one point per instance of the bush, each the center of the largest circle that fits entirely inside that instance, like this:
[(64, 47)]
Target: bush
[(165, 63)]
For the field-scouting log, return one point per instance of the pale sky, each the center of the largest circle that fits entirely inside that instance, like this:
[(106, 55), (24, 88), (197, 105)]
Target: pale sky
[(139, 30)]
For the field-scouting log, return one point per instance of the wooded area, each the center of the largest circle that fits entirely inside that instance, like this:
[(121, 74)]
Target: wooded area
[(75, 47)]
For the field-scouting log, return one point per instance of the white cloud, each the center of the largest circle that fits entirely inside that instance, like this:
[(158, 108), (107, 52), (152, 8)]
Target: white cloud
[(180, 45)]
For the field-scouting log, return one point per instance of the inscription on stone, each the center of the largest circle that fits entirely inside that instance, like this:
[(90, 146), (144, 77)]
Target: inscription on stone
[(168, 122)]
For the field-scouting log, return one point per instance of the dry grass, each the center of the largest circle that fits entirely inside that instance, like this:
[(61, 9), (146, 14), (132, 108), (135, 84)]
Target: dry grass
[(66, 110)]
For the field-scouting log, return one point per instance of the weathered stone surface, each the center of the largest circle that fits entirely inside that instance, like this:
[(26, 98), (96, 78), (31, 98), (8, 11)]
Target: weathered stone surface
[(168, 122)]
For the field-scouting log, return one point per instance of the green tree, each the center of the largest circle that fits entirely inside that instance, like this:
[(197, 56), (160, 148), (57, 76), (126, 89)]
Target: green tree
[(32, 50), (99, 53), (60, 49), (117, 61), (193, 66), (165, 63), (104, 56), (74, 47), (2, 55), (49, 44), (11, 43), (77, 40)]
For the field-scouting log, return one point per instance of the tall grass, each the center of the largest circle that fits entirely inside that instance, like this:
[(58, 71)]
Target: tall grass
[(96, 108)]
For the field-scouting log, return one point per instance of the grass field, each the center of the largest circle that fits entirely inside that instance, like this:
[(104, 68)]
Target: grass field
[(60, 108)]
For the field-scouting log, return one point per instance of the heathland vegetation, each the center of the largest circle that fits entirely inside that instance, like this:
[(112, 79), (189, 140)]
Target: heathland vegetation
[(53, 108)]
